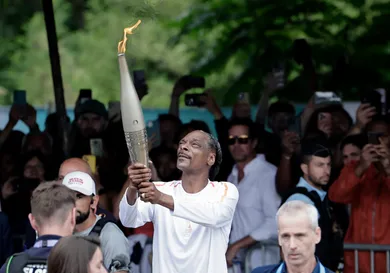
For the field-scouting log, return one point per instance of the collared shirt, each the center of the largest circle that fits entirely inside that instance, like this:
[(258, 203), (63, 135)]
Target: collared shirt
[(301, 197), (282, 268), (256, 208), (258, 202), (40, 249)]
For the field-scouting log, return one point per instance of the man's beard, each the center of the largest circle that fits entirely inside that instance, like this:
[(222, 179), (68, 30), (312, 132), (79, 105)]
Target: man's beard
[(82, 217), (317, 182)]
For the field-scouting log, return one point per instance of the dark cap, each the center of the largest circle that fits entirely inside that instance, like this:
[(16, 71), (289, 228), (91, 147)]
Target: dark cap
[(91, 106), (315, 147)]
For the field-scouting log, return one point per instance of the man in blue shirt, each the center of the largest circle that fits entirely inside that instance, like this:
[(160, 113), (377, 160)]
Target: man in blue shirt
[(298, 234), (53, 215)]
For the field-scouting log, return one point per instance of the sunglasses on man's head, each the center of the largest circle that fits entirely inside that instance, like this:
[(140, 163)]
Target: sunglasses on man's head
[(244, 139)]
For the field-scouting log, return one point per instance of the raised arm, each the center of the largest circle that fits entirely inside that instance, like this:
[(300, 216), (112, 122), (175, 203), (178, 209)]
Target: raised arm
[(346, 187)]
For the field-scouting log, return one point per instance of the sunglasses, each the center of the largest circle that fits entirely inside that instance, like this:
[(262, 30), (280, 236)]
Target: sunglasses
[(244, 139)]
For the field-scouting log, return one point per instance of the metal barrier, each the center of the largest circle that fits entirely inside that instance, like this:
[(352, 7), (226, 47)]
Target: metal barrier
[(257, 246), (372, 249)]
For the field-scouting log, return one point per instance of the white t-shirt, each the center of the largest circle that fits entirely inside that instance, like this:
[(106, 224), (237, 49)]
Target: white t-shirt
[(194, 236)]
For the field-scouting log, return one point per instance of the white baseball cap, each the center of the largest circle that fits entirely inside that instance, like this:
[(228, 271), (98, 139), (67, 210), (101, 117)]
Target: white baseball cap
[(80, 182)]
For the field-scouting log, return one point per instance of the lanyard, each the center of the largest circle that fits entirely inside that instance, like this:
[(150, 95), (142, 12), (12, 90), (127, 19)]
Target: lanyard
[(322, 268), (45, 243)]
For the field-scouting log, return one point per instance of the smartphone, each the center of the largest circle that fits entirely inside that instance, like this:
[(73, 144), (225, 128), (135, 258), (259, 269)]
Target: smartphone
[(189, 82), (20, 97), (194, 100), (373, 137), (91, 160), (96, 146), (278, 72), (243, 97), (153, 131), (85, 94), (326, 98)]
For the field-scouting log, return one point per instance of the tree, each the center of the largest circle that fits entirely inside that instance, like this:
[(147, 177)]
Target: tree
[(255, 34), (88, 55)]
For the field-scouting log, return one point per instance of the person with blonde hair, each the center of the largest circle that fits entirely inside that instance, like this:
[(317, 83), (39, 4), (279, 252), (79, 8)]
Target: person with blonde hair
[(298, 234)]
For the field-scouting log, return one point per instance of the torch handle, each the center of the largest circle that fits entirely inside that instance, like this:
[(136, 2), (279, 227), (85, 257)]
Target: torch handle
[(137, 145)]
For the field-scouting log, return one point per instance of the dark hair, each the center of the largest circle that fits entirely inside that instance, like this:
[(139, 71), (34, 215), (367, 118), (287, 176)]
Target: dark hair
[(191, 126), (356, 140), (314, 146), (244, 122), (377, 119), (312, 124), (199, 125), (216, 147), (169, 117), (30, 155), (52, 201), (281, 106), (72, 254), (156, 152)]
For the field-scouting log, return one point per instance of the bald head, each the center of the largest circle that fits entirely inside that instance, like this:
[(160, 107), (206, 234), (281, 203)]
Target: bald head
[(74, 165)]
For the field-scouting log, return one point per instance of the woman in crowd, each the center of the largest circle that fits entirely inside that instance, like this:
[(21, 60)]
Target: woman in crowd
[(75, 254)]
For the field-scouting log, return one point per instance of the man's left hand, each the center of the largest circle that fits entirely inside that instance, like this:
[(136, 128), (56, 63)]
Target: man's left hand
[(149, 193), (231, 254)]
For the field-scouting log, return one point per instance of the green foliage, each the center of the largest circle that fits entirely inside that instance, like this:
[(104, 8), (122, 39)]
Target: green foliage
[(233, 43), (89, 55), (255, 34)]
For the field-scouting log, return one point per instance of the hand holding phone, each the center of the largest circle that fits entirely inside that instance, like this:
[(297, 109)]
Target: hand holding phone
[(195, 100)]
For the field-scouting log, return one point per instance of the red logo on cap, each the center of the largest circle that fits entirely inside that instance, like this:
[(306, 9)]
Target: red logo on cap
[(76, 180)]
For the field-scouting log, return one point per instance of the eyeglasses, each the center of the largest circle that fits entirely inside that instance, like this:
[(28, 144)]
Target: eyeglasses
[(244, 139)]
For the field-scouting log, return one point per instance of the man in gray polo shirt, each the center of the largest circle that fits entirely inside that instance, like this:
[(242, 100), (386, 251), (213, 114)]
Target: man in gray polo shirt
[(115, 246)]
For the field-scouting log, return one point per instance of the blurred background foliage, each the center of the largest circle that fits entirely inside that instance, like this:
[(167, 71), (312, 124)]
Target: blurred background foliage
[(233, 43)]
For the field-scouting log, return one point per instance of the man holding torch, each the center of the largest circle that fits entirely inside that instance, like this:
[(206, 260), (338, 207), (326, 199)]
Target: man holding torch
[(192, 217)]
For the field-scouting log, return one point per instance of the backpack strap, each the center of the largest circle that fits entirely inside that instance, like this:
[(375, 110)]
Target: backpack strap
[(98, 227), (18, 261)]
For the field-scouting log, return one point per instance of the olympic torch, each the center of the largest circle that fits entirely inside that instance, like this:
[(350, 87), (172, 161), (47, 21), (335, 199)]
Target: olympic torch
[(132, 116)]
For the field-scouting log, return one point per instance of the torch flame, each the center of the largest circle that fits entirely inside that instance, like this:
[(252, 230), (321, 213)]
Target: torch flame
[(129, 30)]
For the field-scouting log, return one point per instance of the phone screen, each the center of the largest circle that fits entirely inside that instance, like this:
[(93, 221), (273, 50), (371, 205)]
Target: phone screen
[(373, 138), (20, 97), (243, 97), (96, 145)]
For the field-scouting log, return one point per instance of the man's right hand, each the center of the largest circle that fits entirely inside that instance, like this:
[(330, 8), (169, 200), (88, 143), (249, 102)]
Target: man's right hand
[(369, 155), (364, 114), (290, 143), (138, 173)]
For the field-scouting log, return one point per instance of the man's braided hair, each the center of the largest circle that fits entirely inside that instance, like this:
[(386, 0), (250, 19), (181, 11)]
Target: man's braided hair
[(216, 147)]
